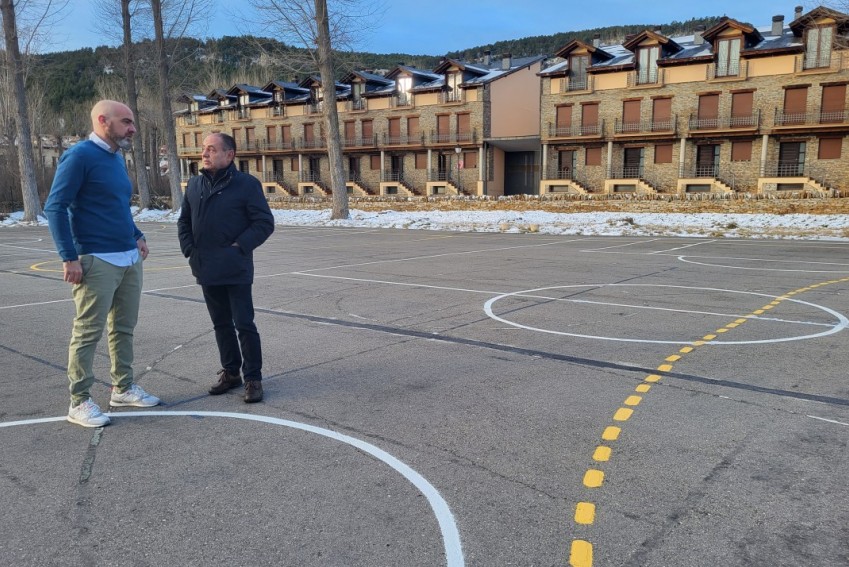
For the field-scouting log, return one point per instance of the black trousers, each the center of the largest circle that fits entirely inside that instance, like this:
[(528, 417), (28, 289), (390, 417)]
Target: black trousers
[(231, 308)]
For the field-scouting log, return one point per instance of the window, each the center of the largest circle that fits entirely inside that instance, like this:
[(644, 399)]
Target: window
[(661, 114), (198, 142), (452, 82), (663, 153), (293, 164), (741, 110), (593, 156), (833, 108), (287, 134), (413, 130), (470, 160), (421, 160), (741, 151), (442, 127), (309, 133), (647, 65), (350, 131), (464, 127), (728, 57), (578, 72), (271, 135), (368, 130), (374, 162), (589, 119), (795, 105), (564, 120), (830, 148), (708, 110), (631, 115), (258, 164), (818, 47), (394, 130)]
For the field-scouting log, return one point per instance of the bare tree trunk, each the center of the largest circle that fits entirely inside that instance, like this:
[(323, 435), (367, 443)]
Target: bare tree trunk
[(167, 115), (26, 162), (133, 102), (331, 116)]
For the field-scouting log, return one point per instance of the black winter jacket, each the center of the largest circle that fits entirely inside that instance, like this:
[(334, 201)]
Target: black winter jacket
[(218, 213)]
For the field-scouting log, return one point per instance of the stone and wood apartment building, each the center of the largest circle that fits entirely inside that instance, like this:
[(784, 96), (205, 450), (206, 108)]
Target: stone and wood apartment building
[(733, 108)]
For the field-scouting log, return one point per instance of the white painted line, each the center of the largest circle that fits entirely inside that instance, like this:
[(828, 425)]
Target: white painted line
[(828, 420), (621, 245), (752, 260), (447, 525), (681, 247), (842, 321)]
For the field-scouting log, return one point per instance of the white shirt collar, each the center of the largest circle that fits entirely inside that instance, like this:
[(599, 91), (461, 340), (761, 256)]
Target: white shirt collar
[(100, 142)]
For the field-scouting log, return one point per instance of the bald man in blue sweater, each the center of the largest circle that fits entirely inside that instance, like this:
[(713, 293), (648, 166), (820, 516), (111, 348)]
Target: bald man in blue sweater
[(102, 252)]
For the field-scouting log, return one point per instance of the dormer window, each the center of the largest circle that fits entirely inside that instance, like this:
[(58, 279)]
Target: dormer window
[(244, 99), (578, 72), (404, 86), (223, 101), (278, 96), (818, 47), (452, 85), (357, 90), (194, 106), (647, 64), (728, 57)]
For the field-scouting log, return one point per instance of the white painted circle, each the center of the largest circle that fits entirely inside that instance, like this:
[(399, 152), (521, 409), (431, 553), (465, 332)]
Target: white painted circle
[(842, 321), (450, 534)]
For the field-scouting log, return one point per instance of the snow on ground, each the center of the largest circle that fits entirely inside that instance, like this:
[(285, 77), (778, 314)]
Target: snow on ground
[(701, 225)]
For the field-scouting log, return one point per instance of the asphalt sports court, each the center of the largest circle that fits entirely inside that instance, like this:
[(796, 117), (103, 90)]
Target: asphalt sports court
[(436, 398)]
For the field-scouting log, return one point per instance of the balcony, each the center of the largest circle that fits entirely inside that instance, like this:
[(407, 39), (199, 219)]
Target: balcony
[(277, 111), (276, 145), (240, 114), (189, 120), (576, 84), (732, 71), (252, 145), (830, 62), (360, 142), (401, 100), (726, 123), (315, 107), (448, 97), (218, 118), (817, 119), (312, 143), (357, 104), (645, 78), (410, 140), (646, 127), (454, 137), (595, 130)]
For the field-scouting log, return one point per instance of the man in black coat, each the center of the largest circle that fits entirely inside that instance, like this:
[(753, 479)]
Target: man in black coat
[(223, 218)]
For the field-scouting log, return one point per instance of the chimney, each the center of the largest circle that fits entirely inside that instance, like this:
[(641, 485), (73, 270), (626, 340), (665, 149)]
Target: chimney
[(487, 57), (798, 12), (778, 25), (698, 39), (506, 61), (597, 40)]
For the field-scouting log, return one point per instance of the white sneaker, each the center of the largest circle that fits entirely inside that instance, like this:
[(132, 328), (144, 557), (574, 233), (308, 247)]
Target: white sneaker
[(134, 396), (87, 414)]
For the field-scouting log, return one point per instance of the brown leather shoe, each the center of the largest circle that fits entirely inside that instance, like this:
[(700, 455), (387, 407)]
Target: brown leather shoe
[(226, 382), (253, 391)]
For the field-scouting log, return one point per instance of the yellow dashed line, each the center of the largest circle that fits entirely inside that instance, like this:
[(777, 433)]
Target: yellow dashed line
[(593, 478), (611, 433), (602, 454), (622, 414), (581, 553), (585, 513)]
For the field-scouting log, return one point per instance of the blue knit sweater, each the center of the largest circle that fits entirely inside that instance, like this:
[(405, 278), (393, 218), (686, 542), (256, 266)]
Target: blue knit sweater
[(89, 203)]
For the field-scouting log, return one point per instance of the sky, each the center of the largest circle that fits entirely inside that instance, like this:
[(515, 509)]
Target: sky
[(436, 27), (696, 225)]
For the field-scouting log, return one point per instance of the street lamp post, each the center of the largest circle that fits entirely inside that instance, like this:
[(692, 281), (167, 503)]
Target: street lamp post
[(457, 151)]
